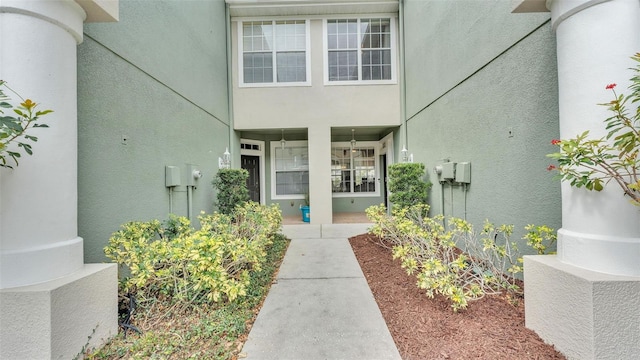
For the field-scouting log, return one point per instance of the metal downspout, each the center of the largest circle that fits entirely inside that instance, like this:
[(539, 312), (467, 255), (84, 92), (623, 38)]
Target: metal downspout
[(403, 98), (234, 162)]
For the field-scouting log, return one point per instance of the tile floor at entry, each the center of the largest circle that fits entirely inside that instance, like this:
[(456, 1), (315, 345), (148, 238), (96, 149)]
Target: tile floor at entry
[(338, 218)]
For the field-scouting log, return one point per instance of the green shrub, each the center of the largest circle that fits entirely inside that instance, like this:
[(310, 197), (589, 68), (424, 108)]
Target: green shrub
[(540, 238), (431, 250), (406, 184), (180, 334), (232, 189), (213, 264)]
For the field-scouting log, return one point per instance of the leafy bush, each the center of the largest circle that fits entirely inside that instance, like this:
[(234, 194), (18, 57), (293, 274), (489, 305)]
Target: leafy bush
[(432, 251), (14, 129), (232, 189), (406, 184), (180, 333), (540, 238), (593, 163), (174, 261)]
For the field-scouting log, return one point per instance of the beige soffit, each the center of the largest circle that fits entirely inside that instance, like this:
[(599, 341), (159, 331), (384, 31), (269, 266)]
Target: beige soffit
[(528, 6), (248, 8), (100, 10)]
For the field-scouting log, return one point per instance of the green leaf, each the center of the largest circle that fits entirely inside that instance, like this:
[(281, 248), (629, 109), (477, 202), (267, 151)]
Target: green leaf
[(17, 111), (43, 112), (5, 104), (597, 186)]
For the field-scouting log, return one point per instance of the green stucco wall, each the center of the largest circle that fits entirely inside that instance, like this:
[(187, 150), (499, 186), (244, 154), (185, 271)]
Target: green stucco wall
[(158, 79), (482, 87)]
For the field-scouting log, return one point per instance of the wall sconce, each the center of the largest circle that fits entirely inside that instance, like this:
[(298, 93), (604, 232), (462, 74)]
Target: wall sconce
[(405, 154), (225, 161), (353, 140), (283, 142)]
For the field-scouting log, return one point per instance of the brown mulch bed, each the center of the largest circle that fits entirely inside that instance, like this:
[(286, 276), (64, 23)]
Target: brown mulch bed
[(423, 328)]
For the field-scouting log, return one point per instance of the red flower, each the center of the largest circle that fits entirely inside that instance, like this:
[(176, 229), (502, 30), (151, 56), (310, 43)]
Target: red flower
[(610, 86), (555, 142), (551, 167)]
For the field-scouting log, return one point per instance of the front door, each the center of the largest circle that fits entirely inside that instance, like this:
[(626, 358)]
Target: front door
[(383, 166), (252, 165)]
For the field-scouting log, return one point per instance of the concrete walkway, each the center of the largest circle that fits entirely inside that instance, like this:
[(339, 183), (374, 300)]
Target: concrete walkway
[(320, 306)]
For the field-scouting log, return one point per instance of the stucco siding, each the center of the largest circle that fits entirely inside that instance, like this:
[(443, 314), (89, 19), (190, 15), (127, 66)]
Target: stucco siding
[(447, 41), (181, 44), (151, 93), (501, 118)]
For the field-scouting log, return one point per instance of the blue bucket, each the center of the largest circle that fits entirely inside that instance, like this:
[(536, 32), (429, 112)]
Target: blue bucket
[(306, 216)]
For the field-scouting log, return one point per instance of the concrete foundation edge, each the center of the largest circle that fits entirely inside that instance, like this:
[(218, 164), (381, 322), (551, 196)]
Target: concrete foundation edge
[(60, 318), (584, 314)]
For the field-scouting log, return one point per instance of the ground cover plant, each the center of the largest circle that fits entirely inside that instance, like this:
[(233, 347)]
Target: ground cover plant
[(193, 294)]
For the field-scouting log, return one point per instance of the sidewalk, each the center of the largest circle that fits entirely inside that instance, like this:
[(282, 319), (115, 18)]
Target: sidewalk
[(320, 306)]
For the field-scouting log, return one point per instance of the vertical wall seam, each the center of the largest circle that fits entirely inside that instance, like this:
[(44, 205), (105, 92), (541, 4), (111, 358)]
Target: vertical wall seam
[(229, 81)]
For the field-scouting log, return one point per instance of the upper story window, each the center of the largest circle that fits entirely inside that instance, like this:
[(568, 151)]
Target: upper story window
[(274, 53), (360, 50)]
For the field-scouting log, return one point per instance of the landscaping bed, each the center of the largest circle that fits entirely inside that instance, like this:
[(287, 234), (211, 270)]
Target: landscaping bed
[(423, 328), (208, 331)]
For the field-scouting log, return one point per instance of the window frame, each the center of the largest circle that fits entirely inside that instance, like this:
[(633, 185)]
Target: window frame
[(394, 51), (272, 160), (274, 52), (376, 156)]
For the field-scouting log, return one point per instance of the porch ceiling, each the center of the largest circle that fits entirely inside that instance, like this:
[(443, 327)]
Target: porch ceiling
[(363, 131)]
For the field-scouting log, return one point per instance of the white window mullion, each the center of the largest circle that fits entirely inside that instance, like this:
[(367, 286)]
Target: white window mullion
[(274, 51), (359, 53)]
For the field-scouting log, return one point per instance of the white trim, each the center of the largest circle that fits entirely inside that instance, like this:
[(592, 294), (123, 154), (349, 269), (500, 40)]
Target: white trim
[(273, 144), (388, 149), (249, 8), (376, 156), (315, 17), (261, 154), (275, 83), (360, 82)]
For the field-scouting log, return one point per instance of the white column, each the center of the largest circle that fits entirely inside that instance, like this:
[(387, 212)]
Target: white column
[(320, 196), (38, 207), (595, 39)]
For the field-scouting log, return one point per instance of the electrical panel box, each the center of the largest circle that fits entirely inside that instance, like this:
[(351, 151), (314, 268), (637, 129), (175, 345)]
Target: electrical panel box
[(172, 176), (463, 172), (448, 171)]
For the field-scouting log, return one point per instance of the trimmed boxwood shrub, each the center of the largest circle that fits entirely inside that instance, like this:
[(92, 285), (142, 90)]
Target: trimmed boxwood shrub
[(406, 184), (232, 189)]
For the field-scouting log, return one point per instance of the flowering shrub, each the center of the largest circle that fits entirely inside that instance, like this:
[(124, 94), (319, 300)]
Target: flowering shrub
[(593, 163), (188, 266), (433, 252), (14, 129)]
